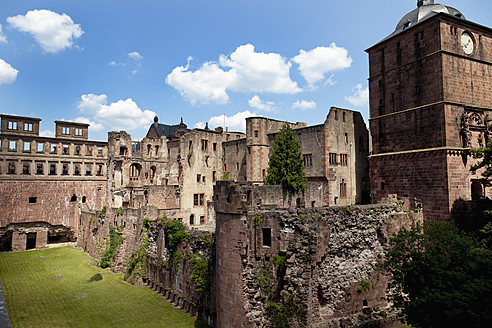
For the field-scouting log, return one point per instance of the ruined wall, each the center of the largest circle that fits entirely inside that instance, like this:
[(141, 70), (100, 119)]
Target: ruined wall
[(325, 260)]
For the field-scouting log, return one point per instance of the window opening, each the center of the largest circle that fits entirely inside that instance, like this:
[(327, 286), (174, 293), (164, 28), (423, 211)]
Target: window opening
[(25, 168), (12, 145), (27, 147), (11, 168), (343, 189), (267, 236), (40, 147), (52, 169), (308, 160), (74, 198), (12, 126), (33, 200), (27, 126), (192, 219), (39, 168)]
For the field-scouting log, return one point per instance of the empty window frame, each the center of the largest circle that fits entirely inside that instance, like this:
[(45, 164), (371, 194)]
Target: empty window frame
[(88, 169), (65, 169), (204, 144), (65, 130), (99, 151), (12, 125), (52, 169), (76, 170), (215, 146), (198, 178), (26, 166), (77, 150), (40, 146), (33, 200), (202, 219), (346, 138), (318, 135), (65, 150), (213, 175), (343, 159), (39, 168), (52, 148), (27, 126), (237, 166), (256, 133), (99, 170), (308, 160), (267, 236), (343, 189), (88, 150), (12, 145), (27, 147), (11, 168), (332, 157)]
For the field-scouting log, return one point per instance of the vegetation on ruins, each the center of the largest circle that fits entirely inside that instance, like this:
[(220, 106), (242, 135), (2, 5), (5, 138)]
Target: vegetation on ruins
[(137, 265), (201, 272), (286, 166), (282, 313), (485, 154), (442, 276), (115, 241), (38, 300)]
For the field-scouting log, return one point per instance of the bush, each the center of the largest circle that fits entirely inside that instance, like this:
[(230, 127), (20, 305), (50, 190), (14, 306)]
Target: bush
[(96, 277)]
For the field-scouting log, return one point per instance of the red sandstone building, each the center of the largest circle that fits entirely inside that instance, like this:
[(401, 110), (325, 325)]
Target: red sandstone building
[(430, 102)]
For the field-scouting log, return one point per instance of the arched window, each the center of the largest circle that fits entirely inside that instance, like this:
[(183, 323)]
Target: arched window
[(135, 170)]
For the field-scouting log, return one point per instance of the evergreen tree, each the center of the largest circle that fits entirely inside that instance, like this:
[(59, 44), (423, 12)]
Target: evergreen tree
[(286, 167)]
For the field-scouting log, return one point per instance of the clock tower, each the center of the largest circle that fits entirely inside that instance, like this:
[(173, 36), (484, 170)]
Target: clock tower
[(430, 102)]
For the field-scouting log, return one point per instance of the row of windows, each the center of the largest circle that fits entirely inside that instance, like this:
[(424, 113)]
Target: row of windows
[(65, 168), (78, 131), (40, 148), (13, 126), (333, 159)]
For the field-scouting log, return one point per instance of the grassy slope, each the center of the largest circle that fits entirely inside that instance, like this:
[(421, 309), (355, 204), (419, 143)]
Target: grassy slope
[(36, 299)]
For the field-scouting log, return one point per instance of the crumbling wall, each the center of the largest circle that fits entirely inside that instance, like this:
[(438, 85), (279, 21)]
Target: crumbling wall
[(316, 266)]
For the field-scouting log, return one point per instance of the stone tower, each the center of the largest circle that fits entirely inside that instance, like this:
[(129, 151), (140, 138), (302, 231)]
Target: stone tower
[(430, 101)]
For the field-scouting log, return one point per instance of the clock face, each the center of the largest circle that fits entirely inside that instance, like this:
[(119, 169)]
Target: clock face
[(467, 43)]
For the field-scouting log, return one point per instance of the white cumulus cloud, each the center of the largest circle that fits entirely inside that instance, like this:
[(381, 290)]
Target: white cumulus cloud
[(258, 103), (3, 38), (93, 126), (47, 133), (304, 105), (135, 55), (236, 122), (119, 115), (53, 32), (8, 74), (360, 97), (315, 64), (242, 71)]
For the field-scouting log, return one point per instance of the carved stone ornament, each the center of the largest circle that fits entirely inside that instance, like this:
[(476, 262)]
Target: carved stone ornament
[(465, 130), (475, 119)]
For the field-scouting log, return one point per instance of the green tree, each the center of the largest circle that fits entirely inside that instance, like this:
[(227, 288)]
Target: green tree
[(286, 166), (485, 154), (442, 277)]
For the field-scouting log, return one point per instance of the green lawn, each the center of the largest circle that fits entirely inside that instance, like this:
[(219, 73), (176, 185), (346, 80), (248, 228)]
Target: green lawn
[(36, 296)]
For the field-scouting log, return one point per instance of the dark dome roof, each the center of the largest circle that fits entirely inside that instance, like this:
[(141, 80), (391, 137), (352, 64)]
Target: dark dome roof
[(424, 12)]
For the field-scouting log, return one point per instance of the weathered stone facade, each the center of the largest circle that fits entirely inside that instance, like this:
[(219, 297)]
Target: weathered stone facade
[(430, 103), (324, 259)]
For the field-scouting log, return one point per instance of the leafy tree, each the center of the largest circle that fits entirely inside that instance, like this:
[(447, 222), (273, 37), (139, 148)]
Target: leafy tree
[(486, 162), (442, 277), (286, 166)]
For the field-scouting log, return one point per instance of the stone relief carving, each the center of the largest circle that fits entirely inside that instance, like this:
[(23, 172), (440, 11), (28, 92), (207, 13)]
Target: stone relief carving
[(475, 119), (465, 130)]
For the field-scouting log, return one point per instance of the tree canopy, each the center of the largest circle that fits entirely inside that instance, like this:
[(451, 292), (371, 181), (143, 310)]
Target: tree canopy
[(442, 276), (485, 154), (286, 167)]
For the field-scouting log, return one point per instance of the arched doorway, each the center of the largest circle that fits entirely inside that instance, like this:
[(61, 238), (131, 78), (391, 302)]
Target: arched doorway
[(192, 219)]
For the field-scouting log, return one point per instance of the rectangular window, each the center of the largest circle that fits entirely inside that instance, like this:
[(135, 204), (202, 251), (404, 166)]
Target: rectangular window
[(343, 159), (346, 137), (333, 159), (336, 115), (65, 150), (77, 169), (27, 147), (202, 197), (267, 236), (77, 150), (25, 168), (12, 145), (204, 145), (195, 199), (40, 147), (27, 126), (65, 169), (65, 130), (263, 173), (300, 140), (215, 146), (33, 200), (11, 168), (99, 170), (78, 132), (203, 179), (88, 169), (12, 126), (256, 133), (88, 151), (198, 177), (308, 160), (39, 168), (225, 168), (99, 151), (202, 219), (318, 136), (343, 116), (213, 175), (237, 166), (343, 189), (53, 169)]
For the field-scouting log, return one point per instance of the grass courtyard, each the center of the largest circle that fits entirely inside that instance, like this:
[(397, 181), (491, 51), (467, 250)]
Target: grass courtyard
[(50, 288)]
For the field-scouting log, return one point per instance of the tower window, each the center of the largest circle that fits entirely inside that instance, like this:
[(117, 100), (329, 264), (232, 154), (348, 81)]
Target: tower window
[(267, 236), (33, 200)]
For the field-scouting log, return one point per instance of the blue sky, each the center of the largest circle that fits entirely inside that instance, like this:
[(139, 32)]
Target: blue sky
[(117, 63)]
